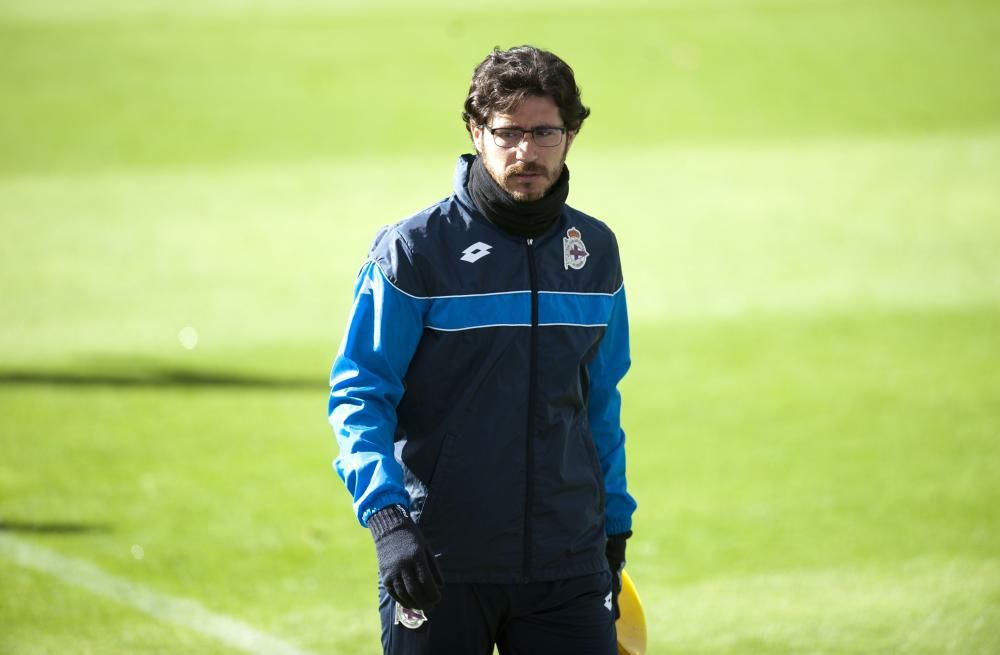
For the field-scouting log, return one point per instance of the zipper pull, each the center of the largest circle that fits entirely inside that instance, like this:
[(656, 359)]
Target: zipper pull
[(530, 241)]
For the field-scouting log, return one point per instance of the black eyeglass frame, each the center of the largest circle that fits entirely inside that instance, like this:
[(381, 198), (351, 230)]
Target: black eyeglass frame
[(534, 137)]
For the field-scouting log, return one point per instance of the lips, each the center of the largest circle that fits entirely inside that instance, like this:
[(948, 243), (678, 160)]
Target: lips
[(526, 181), (527, 175)]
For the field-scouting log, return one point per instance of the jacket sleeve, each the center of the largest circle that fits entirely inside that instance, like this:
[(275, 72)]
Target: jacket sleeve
[(606, 370), (366, 384)]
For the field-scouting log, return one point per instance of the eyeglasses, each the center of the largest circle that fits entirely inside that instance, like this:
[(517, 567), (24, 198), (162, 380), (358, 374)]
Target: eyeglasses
[(510, 137)]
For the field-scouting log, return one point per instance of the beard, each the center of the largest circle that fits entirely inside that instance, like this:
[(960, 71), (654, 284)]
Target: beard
[(508, 180)]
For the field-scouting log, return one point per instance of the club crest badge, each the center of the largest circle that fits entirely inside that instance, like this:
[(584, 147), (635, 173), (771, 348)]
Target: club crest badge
[(574, 252)]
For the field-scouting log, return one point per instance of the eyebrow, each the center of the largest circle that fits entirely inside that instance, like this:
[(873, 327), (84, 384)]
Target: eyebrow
[(525, 129)]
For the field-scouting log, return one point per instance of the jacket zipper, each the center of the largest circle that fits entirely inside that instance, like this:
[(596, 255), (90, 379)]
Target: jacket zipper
[(529, 460)]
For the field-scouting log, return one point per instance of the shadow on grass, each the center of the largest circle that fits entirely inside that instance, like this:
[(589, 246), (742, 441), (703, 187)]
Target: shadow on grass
[(156, 378), (26, 527)]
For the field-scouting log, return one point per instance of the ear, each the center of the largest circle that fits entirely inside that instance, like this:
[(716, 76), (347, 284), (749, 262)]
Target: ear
[(477, 136), (570, 136)]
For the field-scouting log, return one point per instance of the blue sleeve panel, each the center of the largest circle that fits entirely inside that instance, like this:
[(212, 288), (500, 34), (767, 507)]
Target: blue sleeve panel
[(366, 384), (604, 412)]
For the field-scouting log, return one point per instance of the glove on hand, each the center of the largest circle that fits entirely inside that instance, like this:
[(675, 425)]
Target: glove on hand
[(405, 563), (615, 552)]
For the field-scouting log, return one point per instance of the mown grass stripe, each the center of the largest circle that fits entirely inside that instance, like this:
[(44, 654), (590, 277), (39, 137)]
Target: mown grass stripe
[(170, 609)]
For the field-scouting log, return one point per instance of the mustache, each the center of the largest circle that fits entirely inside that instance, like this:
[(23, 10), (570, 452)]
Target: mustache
[(532, 169)]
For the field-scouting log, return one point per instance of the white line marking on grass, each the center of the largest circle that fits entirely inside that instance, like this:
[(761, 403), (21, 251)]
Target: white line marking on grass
[(171, 609)]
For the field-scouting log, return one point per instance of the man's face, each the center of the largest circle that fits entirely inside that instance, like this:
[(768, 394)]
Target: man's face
[(526, 171)]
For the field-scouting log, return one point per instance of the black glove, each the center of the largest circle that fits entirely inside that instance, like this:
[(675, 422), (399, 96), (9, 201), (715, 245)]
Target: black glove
[(615, 552), (405, 563)]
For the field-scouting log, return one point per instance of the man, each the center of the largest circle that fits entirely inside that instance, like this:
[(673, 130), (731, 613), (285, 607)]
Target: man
[(474, 397)]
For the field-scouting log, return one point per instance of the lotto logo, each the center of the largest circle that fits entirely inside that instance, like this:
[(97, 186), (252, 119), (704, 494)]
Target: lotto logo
[(475, 252)]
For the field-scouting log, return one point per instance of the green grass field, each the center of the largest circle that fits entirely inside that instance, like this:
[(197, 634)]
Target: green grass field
[(806, 196)]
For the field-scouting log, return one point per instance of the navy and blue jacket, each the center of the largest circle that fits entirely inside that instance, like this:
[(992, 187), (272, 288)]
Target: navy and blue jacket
[(476, 384)]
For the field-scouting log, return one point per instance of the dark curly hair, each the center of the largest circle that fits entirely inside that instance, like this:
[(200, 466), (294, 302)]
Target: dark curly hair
[(502, 80)]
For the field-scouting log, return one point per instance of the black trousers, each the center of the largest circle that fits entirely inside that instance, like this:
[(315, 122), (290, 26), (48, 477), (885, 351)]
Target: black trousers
[(562, 617)]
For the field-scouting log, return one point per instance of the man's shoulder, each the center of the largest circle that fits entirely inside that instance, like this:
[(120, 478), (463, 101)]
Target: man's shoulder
[(595, 226), (413, 229), (408, 250)]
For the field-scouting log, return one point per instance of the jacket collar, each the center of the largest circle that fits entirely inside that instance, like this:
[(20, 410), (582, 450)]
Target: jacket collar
[(460, 189)]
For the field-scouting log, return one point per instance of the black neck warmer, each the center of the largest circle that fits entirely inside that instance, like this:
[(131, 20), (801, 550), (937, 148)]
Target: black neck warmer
[(528, 219)]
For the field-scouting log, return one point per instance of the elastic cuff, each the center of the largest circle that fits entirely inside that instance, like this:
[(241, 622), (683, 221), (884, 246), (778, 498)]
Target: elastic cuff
[(617, 526), (381, 501), (387, 519)]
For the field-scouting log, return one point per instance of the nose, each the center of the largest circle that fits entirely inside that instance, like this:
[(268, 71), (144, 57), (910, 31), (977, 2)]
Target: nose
[(526, 149)]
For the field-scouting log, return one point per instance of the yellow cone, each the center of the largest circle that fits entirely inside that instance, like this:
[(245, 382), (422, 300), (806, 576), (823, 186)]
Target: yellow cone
[(631, 625)]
